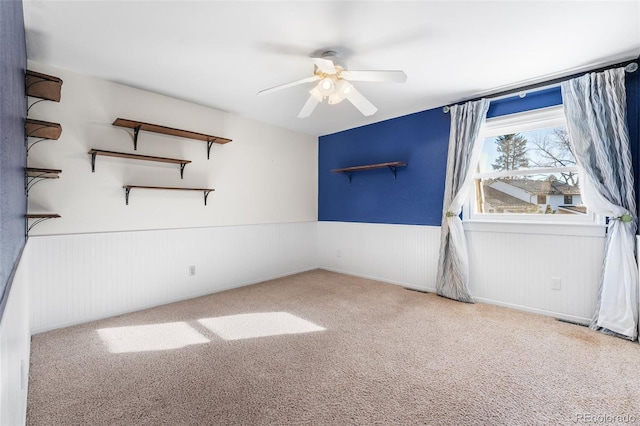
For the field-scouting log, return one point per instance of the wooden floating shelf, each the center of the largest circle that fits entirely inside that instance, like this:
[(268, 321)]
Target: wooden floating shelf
[(95, 152), (43, 86), (34, 175), (155, 128), (43, 216), (42, 129), (42, 173), (46, 88), (393, 165), (127, 189)]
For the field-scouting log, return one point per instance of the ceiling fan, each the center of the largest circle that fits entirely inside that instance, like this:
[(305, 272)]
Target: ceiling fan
[(334, 84)]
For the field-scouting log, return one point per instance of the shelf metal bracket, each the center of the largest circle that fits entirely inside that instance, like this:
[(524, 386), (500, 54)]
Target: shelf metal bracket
[(393, 170), (29, 146), (30, 183), (28, 86), (349, 175), (182, 170), (37, 221), (29, 135), (126, 195), (136, 131), (206, 194), (36, 102), (93, 162), (209, 145)]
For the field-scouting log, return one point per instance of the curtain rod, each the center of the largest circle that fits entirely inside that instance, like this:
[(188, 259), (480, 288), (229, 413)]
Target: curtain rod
[(629, 66)]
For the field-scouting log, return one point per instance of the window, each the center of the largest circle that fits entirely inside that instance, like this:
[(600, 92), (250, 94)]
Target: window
[(527, 171)]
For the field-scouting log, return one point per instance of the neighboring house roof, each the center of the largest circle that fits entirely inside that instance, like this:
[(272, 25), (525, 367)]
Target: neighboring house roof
[(496, 201), (543, 187), (499, 199), (574, 209)]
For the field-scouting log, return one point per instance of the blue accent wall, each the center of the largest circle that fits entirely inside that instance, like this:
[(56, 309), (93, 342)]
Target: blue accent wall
[(415, 197), (534, 100), (421, 140), (13, 202)]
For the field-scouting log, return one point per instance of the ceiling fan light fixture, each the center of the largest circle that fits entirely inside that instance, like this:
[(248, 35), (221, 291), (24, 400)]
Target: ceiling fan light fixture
[(345, 87), (335, 98), (326, 86), (342, 90), (334, 83)]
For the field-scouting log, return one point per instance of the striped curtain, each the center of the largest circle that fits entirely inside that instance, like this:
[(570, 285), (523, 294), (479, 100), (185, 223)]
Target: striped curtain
[(595, 107), (462, 160)]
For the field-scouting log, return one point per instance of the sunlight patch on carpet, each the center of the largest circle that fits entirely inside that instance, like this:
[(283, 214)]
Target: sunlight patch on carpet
[(247, 326), (151, 337)]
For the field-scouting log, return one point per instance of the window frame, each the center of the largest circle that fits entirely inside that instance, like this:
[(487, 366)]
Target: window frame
[(521, 122)]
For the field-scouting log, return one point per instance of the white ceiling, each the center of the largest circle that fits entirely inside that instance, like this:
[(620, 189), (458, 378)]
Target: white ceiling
[(221, 53)]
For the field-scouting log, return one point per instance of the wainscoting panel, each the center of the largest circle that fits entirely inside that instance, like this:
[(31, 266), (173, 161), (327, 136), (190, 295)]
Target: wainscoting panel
[(399, 254), (514, 269), (548, 273), (15, 339), (84, 277), (79, 278)]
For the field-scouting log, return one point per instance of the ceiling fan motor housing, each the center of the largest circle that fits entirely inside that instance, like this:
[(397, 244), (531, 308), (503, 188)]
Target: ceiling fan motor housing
[(333, 56)]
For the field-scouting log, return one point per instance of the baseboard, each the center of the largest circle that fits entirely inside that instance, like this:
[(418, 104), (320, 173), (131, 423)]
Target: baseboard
[(384, 280), (564, 317)]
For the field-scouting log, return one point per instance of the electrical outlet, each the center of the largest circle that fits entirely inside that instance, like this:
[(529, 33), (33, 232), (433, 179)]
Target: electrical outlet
[(556, 283), (192, 270)]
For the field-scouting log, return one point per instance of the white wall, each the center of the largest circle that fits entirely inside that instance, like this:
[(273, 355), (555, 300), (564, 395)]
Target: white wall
[(15, 340), (266, 175), (508, 266)]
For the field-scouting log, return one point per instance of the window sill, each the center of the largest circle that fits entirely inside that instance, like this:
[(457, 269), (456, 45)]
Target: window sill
[(526, 227)]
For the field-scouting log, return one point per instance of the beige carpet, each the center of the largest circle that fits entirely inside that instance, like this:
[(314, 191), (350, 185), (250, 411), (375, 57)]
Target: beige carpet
[(355, 351)]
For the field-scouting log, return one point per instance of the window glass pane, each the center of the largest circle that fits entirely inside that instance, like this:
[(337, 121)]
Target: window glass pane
[(547, 147), (545, 193)]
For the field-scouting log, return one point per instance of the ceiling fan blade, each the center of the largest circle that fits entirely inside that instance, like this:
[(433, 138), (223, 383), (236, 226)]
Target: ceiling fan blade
[(308, 107), (325, 65), (287, 85), (360, 102), (376, 76)]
